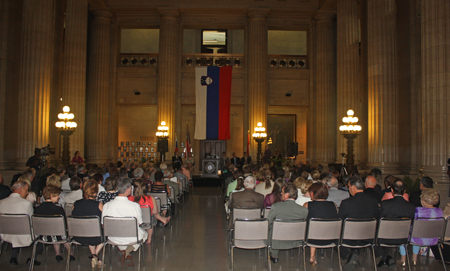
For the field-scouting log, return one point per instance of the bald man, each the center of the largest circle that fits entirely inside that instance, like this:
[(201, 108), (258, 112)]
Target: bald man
[(370, 184)]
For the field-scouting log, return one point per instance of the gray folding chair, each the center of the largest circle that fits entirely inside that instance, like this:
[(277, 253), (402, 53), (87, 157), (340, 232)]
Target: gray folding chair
[(290, 230), (246, 237), (393, 232), (83, 226), (361, 230), (433, 227), (266, 212), (68, 209), (242, 213), (163, 198), (147, 222), (49, 225), (122, 227), (447, 231), (16, 224), (326, 230)]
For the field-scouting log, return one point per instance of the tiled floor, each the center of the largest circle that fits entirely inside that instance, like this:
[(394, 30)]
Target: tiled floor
[(197, 241)]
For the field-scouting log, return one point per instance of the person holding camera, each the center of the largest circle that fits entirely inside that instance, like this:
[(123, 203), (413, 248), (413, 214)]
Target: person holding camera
[(35, 161)]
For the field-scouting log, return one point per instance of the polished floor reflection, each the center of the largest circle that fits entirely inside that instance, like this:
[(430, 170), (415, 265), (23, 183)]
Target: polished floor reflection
[(197, 240)]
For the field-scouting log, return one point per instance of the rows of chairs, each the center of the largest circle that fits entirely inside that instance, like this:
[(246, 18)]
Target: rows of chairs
[(83, 226), (334, 233)]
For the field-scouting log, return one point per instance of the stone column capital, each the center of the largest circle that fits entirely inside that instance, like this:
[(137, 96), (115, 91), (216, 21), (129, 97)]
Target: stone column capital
[(325, 16), (102, 13), (168, 12), (258, 13)]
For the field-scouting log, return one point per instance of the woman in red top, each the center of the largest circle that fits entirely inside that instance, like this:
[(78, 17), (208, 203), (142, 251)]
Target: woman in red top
[(140, 197), (77, 159)]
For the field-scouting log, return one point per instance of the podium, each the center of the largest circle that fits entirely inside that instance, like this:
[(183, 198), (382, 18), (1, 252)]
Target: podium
[(210, 153)]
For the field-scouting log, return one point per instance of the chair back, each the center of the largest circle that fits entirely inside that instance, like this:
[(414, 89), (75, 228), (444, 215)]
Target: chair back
[(146, 214), (289, 230), (44, 225), (172, 194), (428, 228), (16, 224), (120, 227), (161, 195), (324, 229), (84, 226), (246, 213), (68, 209), (266, 212), (158, 205), (359, 229), (245, 235), (392, 229), (447, 228)]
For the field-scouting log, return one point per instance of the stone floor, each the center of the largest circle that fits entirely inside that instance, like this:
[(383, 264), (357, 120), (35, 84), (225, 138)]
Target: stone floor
[(196, 240)]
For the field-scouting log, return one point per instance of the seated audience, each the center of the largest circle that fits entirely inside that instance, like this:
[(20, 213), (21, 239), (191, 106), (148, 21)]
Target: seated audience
[(49, 207), (17, 204), (159, 187), (88, 206), (389, 195), (370, 184), (286, 209), (110, 190), (319, 207), (122, 207), (76, 190), (4, 190), (397, 207), (140, 188), (334, 194), (304, 190), (429, 198), (99, 178), (425, 183), (275, 196), (266, 186)]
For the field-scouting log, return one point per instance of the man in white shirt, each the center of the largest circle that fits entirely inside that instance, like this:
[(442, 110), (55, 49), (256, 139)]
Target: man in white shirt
[(76, 193), (17, 204), (122, 207)]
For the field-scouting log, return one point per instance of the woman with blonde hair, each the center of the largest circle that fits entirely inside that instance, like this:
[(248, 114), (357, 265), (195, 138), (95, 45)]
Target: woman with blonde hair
[(304, 189), (266, 186), (31, 197)]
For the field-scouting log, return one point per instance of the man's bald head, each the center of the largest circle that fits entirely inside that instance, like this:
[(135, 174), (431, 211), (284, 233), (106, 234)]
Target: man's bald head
[(370, 182)]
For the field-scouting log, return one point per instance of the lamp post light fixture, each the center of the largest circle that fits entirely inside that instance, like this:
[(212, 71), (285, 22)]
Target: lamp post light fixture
[(163, 134), (66, 126), (350, 130), (259, 136)]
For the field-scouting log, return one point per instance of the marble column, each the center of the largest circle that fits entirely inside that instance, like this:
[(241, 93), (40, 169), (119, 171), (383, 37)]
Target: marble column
[(38, 37), (257, 63), (168, 64), (435, 88), (74, 71), (98, 89), (348, 68), (382, 86), (326, 90)]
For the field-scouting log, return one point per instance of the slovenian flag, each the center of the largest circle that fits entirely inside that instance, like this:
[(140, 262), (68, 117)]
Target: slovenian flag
[(213, 92)]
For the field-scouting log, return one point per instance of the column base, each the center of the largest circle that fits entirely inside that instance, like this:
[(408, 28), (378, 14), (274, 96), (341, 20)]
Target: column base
[(7, 165), (386, 169), (438, 174)]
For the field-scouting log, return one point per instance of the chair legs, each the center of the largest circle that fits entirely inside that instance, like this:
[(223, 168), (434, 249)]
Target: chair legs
[(231, 254), (339, 258), (407, 258), (374, 258), (304, 258), (33, 256), (442, 258), (68, 258), (103, 255)]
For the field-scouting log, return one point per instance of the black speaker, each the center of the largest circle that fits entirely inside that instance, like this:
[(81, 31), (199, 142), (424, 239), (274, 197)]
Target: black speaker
[(292, 149), (163, 145)]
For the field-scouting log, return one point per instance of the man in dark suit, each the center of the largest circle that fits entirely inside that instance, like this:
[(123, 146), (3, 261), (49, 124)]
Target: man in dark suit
[(4, 190), (370, 184), (286, 209), (176, 161), (246, 160), (360, 205), (397, 207), (236, 161), (425, 183)]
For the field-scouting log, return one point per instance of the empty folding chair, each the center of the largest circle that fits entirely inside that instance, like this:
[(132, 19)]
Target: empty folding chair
[(288, 234), (324, 233), (83, 226), (49, 225), (123, 227), (242, 213), (246, 237), (428, 228), (358, 233)]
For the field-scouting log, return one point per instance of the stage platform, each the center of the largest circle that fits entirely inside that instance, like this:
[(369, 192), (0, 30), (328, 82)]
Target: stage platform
[(206, 182)]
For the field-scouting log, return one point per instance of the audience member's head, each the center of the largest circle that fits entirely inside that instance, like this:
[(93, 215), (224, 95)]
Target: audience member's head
[(425, 183), (61, 170), (429, 196), (111, 183), (54, 180), (20, 187), (75, 183), (289, 191), (50, 192), (305, 186), (90, 189), (356, 185), (159, 176), (98, 177), (249, 182), (332, 182), (398, 187), (298, 182), (122, 185), (138, 173), (318, 191), (370, 182)]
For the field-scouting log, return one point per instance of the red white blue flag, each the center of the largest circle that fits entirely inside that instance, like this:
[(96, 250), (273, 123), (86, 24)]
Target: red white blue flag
[(213, 93), (176, 143)]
